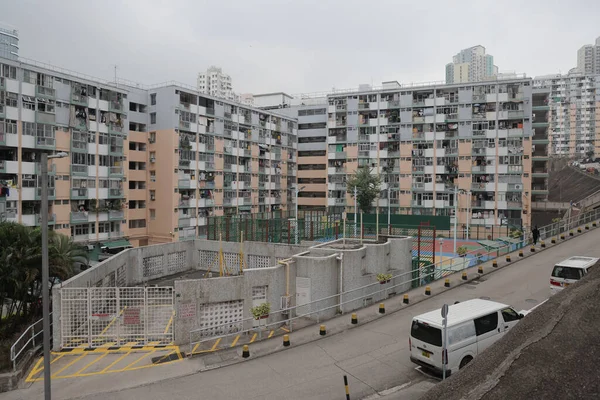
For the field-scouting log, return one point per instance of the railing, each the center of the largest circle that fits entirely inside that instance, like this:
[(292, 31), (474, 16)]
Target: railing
[(116, 170), (27, 341), (400, 282)]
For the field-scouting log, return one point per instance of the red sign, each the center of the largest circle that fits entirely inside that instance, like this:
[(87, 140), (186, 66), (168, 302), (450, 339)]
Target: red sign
[(131, 316), (187, 310)]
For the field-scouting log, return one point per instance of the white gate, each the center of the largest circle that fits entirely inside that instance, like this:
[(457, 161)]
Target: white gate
[(116, 316)]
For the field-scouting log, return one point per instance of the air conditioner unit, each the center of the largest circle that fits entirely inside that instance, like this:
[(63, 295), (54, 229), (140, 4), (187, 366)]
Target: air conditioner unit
[(286, 302), (152, 159), (518, 187), (152, 197)]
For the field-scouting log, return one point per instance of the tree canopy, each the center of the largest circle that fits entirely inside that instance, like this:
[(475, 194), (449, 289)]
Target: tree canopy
[(367, 188)]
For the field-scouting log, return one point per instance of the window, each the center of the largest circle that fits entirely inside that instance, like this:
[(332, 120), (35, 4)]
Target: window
[(137, 223), (315, 125), (567, 273), (486, 323), (510, 315), (153, 99), (153, 118), (426, 333), (152, 214)]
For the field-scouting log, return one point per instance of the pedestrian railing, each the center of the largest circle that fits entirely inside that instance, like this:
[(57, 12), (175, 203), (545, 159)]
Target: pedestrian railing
[(330, 306), (31, 338)]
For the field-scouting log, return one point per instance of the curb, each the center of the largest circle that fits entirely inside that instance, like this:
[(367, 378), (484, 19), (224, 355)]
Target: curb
[(370, 313)]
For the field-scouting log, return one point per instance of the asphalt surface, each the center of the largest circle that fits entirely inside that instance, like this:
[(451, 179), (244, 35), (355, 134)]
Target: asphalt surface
[(374, 356), (553, 353)]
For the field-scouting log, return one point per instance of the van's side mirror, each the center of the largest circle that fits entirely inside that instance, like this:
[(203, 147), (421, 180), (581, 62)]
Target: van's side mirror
[(521, 316)]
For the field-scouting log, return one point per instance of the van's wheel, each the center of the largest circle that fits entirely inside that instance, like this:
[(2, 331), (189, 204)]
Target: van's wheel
[(465, 361)]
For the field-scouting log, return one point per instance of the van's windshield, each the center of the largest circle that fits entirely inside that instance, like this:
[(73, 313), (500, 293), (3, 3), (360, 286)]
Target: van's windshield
[(567, 272), (426, 333)]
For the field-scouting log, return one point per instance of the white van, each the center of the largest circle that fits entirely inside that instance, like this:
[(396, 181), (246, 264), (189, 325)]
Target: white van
[(569, 271), (473, 326)]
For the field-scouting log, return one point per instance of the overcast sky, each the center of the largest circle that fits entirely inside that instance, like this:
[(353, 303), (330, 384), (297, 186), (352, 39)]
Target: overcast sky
[(299, 46)]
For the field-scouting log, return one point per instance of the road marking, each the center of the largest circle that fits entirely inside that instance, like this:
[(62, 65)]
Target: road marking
[(235, 341), (98, 358), (39, 367), (284, 329), (253, 338), (112, 322), (271, 334), (138, 360), (170, 322), (215, 345), (195, 347), (116, 361), (68, 365)]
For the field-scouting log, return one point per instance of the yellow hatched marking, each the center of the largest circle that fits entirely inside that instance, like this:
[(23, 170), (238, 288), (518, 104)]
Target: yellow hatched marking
[(216, 344), (98, 358), (195, 347), (113, 321), (271, 334), (285, 330), (170, 322), (116, 361), (68, 365), (235, 341), (253, 338), (138, 360)]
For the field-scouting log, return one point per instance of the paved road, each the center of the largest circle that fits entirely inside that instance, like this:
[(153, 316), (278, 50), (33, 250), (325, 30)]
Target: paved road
[(374, 356)]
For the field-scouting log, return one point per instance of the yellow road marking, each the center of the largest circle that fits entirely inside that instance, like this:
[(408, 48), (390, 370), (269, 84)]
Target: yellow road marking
[(116, 361), (39, 366), (138, 360), (98, 358), (195, 347), (285, 330), (235, 341), (271, 334), (170, 322), (216, 344), (253, 338), (68, 365), (112, 322)]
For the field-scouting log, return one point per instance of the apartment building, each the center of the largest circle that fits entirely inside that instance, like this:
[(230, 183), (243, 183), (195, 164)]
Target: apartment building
[(9, 42), (437, 147), (588, 58), (471, 65), (216, 83), (145, 165), (573, 113)]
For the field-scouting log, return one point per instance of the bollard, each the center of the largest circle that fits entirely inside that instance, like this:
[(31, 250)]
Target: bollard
[(543, 244), (553, 241), (464, 276), (381, 308), (520, 253), (427, 290), (579, 230), (322, 330), (508, 258), (354, 319), (347, 388), (405, 301), (562, 236), (286, 340), (587, 227), (447, 282), (495, 263), (594, 223), (532, 249), (246, 351), (480, 269), (570, 233)]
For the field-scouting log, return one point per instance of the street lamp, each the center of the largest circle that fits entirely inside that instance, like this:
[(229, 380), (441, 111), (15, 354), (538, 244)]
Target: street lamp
[(297, 221), (46, 272)]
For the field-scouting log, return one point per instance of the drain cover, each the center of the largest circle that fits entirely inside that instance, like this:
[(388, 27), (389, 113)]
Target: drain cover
[(484, 298), (471, 287), (475, 282), (531, 301)]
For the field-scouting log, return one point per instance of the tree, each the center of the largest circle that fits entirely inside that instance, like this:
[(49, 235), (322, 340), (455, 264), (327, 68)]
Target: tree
[(367, 188)]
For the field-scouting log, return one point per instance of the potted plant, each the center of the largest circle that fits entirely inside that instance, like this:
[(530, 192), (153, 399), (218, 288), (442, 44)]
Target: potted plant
[(462, 251), (384, 278), (261, 311)]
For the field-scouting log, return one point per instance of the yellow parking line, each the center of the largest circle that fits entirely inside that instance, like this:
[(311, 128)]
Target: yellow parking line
[(112, 322), (170, 322), (195, 347), (68, 365), (98, 358), (235, 341), (284, 329), (215, 345), (253, 338), (138, 360), (271, 334), (116, 361)]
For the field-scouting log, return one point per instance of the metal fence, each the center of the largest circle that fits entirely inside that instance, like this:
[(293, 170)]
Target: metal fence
[(31, 338), (116, 316), (421, 275)]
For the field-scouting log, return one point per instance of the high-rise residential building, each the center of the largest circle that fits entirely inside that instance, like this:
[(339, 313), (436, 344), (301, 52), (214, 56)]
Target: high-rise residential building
[(573, 113), (471, 65), (438, 145), (588, 58), (9, 42), (146, 165), (216, 83)]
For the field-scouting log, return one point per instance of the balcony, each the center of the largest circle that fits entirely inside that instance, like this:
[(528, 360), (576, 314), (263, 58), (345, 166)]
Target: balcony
[(79, 217), (115, 214), (115, 170), (115, 193), (51, 193), (115, 128), (42, 91), (79, 193), (184, 125), (514, 205), (38, 219), (79, 170), (42, 117), (2, 83), (46, 143), (79, 99), (2, 113), (184, 184), (539, 189), (517, 114), (115, 105)]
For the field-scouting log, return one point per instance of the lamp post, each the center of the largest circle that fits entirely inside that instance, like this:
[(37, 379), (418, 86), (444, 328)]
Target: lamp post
[(389, 208), (46, 273), (468, 213), (297, 220), (355, 210), (455, 215)]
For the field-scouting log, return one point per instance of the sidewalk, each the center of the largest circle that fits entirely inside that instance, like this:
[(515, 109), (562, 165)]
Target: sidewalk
[(371, 313)]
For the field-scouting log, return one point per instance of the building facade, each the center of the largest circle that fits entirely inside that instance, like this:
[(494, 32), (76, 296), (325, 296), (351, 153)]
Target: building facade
[(216, 83), (573, 113), (145, 164), (9, 42), (471, 65), (467, 146), (588, 58)]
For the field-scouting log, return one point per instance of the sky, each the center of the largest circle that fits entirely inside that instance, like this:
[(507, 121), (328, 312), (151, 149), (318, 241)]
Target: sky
[(301, 46)]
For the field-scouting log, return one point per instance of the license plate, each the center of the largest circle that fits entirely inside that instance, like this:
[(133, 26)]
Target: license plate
[(425, 354)]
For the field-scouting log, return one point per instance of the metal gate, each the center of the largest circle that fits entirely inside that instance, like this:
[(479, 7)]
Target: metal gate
[(116, 316)]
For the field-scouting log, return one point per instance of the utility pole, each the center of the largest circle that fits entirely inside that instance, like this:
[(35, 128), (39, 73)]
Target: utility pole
[(355, 210), (455, 215)]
